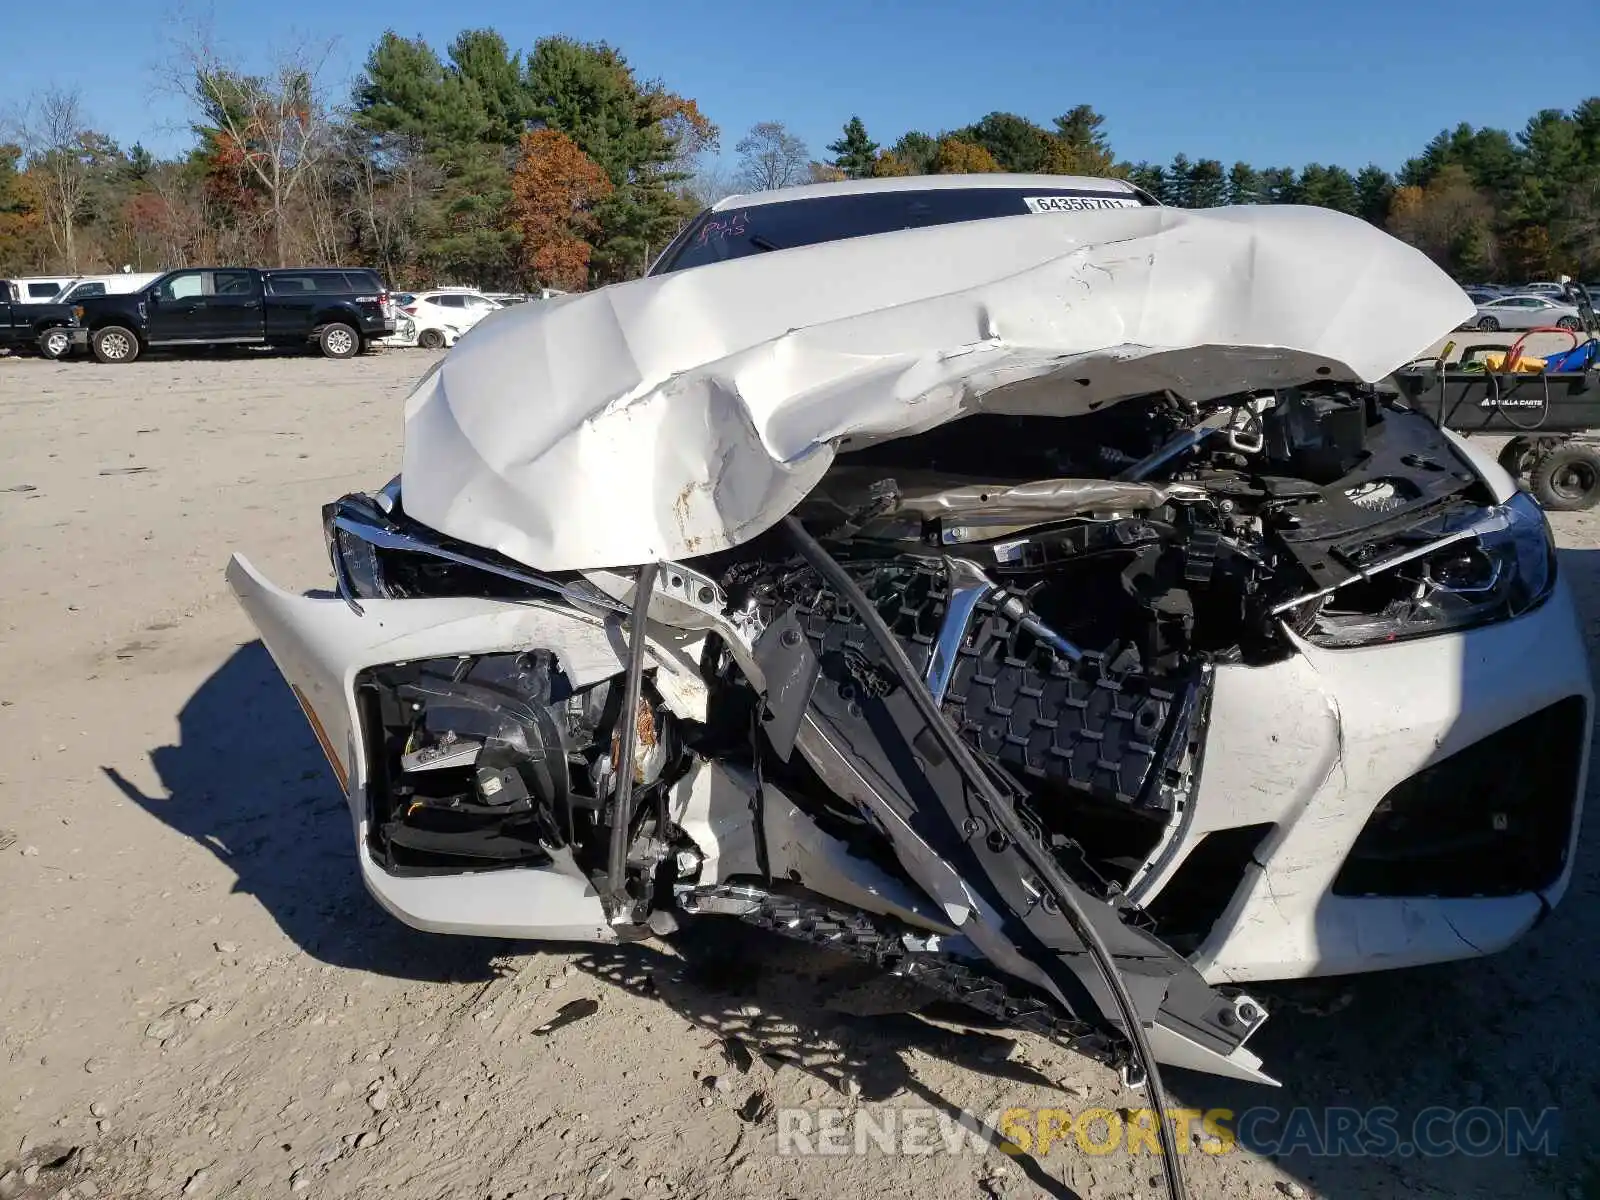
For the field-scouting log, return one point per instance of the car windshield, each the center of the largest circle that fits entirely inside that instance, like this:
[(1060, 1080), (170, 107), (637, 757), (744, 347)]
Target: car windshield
[(739, 232)]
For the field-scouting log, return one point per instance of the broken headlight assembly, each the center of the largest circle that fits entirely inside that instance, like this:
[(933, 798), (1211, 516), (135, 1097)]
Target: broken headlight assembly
[(1451, 573), (378, 554)]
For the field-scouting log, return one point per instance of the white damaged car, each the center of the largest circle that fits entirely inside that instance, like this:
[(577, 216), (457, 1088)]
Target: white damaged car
[(1013, 582)]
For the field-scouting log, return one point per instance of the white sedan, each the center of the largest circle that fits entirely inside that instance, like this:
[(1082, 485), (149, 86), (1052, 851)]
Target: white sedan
[(1525, 312), (996, 613)]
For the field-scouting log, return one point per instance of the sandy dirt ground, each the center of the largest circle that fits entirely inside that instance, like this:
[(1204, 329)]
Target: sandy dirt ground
[(198, 999)]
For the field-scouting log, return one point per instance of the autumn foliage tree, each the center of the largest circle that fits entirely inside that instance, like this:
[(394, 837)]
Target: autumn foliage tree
[(264, 132), (553, 193), (22, 215), (958, 157)]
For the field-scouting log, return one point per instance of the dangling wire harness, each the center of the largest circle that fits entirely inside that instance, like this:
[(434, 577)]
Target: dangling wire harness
[(1050, 873), (621, 904)]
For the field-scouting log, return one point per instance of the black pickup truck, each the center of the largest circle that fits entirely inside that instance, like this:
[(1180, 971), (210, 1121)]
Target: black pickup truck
[(34, 325), (337, 309)]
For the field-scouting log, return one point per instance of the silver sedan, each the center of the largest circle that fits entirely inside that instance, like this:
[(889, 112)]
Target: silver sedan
[(1525, 312)]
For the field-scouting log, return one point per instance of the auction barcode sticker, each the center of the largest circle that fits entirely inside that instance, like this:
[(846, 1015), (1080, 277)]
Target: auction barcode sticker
[(1048, 204)]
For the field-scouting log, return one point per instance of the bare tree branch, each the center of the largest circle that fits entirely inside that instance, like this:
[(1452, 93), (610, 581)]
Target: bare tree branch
[(51, 131), (270, 127), (771, 157)]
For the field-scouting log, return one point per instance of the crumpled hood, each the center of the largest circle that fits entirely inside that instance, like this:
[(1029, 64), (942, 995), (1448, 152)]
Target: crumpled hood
[(687, 413)]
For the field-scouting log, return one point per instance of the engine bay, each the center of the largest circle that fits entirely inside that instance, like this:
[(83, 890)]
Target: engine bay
[(1063, 590), (1061, 584)]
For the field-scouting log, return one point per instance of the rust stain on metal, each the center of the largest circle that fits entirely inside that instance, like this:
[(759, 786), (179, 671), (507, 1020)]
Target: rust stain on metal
[(645, 740)]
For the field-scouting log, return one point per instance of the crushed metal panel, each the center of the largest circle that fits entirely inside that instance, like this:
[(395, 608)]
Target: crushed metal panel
[(682, 414)]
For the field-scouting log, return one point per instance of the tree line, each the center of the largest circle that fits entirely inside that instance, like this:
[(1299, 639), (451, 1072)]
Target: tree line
[(561, 166)]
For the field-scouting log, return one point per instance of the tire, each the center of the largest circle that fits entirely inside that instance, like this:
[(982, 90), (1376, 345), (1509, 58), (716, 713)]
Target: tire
[(114, 344), (55, 344), (1488, 324), (1514, 456), (431, 339), (1570, 323), (339, 341), (1567, 479)]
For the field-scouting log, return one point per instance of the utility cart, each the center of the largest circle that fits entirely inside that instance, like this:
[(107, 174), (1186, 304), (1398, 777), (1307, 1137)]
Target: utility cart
[(1552, 413)]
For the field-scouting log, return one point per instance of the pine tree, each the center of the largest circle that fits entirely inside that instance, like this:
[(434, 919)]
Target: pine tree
[(1178, 181), (855, 152), (1374, 193), (1208, 186), (1244, 184)]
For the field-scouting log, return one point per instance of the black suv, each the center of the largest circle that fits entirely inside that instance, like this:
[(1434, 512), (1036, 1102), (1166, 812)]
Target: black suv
[(338, 309)]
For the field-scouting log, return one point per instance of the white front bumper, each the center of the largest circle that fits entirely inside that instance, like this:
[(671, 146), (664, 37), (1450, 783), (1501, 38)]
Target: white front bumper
[(1313, 744), (320, 646), (1309, 745)]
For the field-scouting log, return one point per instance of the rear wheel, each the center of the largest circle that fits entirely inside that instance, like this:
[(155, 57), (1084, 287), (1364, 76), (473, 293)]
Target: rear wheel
[(1488, 324), (114, 344), (1570, 323), (1567, 479), (55, 343), (431, 339), (339, 341)]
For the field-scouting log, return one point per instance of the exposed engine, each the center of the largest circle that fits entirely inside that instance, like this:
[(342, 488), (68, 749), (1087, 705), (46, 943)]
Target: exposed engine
[(1060, 585), (1062, 589)]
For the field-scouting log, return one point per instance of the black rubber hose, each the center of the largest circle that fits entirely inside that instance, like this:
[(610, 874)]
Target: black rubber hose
[(633, 684), (837, 577)]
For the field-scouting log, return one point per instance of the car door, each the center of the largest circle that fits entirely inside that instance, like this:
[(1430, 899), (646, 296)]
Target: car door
[(478, 307), (7, 333), (232, 307), (452, 308), (175, 308), (1529, 311)]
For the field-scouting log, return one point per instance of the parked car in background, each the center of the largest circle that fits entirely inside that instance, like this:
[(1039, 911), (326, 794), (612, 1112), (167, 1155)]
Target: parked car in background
[(1480, 296), (106, 285), (32, 288), (438, 317), (338, 310), (1541, 287), (1525, 312), (27, 326)]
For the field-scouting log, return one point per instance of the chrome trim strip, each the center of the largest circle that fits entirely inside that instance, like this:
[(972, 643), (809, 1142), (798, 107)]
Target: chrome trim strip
[(967, 587)]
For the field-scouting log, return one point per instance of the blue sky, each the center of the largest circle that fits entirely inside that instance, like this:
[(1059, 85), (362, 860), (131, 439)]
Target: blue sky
[(1274, 82)]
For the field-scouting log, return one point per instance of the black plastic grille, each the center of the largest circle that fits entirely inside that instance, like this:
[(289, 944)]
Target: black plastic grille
[(1079, 726)]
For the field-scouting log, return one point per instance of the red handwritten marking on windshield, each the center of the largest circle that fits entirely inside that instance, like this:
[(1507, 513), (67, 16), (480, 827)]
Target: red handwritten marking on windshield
[(735, 225)]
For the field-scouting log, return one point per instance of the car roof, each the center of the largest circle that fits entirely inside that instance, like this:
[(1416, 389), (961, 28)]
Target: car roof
[(928, 183), (1541, 297)]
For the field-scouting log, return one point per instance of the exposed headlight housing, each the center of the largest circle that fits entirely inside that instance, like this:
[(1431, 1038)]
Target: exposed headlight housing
[(378, 554), (1466, 570)]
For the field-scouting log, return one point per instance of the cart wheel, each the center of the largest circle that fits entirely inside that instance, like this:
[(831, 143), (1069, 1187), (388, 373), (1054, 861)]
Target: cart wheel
[(1515, 455), (1567, 479)]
